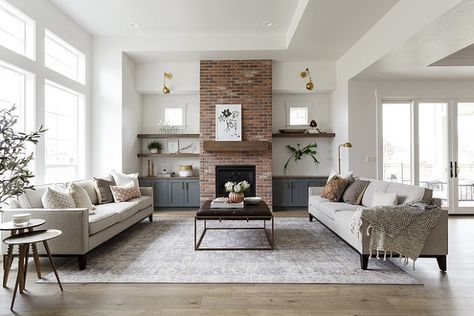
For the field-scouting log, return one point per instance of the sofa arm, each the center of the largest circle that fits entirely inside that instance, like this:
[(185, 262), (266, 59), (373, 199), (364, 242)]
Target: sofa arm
[(315, 190), (73, 222), (146, 191)]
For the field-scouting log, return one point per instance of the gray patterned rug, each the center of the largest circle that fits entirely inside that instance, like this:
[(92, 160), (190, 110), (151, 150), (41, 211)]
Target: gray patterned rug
[(162, 252)]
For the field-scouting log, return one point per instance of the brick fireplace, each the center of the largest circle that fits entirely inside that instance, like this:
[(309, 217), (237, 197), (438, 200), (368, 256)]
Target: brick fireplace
[(245, 82)]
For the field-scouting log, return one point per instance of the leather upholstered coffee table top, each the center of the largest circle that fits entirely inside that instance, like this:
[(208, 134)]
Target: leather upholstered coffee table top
[(259, 210)]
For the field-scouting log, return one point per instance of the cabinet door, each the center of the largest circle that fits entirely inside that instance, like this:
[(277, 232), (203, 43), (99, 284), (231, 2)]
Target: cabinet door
[(299, 193), (192, 193), (281, 193), (176, 193), (161, 193)]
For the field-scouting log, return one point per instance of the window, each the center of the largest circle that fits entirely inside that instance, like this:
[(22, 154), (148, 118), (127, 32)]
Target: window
[(298, 116), (63, 58), (17, 30), (175, 116), (64, 139), (16, 88), (397, 142)]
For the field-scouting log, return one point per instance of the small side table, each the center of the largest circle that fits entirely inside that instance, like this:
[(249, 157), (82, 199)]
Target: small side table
[(14, 230), (24, 241)]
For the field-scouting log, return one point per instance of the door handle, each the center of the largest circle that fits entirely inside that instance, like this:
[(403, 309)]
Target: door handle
[(456, 169), (187, 186), (182, 185), (451, 168)]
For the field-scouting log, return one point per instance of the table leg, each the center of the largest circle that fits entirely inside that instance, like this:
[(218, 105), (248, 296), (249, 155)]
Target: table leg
[(27, 254), (19, 276), (46, 247), (273, 233), (36, 259), (7, 264)]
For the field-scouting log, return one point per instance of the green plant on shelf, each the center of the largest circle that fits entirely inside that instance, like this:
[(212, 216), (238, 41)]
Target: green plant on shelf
[(155, 147)]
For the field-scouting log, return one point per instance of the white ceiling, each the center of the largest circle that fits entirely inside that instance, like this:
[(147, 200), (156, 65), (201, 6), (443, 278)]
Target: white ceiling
[(440, 51), (320, 30)]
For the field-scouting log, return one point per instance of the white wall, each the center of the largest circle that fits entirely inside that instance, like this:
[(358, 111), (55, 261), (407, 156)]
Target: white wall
[(363, 116), (48, 16), (286, 76), (131, 117), (149, 77)]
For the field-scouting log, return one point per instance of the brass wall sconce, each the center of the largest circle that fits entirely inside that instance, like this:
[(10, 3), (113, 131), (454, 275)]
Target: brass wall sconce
[(345, 145), (166, 75), (310, 84)]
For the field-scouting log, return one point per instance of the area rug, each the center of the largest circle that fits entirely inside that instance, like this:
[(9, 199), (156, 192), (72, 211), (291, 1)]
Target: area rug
[(163, 252)]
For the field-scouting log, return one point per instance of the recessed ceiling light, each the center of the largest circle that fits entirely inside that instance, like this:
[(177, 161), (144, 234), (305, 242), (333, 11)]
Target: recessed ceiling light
[(267, 24), (134, 25)]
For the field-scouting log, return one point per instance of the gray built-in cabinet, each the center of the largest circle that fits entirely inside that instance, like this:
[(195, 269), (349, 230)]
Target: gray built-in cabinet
[(173, 192), (292, 192)]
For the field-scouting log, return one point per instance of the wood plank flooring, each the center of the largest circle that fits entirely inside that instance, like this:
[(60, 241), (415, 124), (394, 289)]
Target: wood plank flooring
[(442, 294)]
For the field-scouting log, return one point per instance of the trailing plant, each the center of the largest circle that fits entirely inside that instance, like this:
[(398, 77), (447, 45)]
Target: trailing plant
[(297, 153), (155, 145), (14, 160)]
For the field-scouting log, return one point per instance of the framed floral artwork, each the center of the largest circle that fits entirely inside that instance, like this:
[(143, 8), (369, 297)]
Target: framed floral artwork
[(228, 122)]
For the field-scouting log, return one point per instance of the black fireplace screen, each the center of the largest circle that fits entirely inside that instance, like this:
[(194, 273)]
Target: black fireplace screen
[(235, 174)]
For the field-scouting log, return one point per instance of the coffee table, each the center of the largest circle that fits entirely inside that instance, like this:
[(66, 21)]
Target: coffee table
[(255, 212)]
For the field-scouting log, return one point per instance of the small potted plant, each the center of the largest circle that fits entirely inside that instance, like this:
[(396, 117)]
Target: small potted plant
[(155, 147), (236, 190)]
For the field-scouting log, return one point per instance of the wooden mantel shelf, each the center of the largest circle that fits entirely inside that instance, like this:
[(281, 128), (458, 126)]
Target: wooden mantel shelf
[(249, 145)]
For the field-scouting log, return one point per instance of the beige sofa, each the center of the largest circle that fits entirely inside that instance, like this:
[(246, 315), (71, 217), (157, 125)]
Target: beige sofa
[(81, 232), (337, 217)]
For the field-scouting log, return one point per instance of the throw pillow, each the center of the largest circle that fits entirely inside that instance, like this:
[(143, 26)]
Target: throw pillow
[(384, 199), (122, 179), (80, 197), (354, 191), (334, 189), (126, 192), (348, 175), (56, 199), (102, 188)]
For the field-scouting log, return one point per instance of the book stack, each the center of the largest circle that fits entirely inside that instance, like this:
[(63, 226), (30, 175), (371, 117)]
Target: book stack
[(223, 202)]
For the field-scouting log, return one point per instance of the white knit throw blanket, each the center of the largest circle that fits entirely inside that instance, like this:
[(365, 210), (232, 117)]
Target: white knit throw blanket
[(400, 229)]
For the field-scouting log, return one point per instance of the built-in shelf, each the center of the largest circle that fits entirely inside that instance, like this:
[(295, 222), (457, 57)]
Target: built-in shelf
[(304, 135), (169, 178), (183, 155), (229, 146), (168, 135)]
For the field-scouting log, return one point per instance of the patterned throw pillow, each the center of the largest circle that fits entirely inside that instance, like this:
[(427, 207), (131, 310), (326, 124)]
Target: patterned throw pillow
[(80, 197), (126, 192), (102, 188), (56, 199), (354, 192), (334, 189)]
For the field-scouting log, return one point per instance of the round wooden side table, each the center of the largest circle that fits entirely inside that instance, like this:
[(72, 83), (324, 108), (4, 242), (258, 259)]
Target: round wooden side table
[(14, 230), (24, 241)]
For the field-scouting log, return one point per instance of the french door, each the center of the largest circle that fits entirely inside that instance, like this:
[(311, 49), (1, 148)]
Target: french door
[(430, 144)]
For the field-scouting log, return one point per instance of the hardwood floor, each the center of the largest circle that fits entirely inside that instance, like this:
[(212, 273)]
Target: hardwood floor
[(442, 294)]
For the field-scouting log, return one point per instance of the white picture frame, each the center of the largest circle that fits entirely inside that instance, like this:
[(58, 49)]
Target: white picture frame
[(228, 122)]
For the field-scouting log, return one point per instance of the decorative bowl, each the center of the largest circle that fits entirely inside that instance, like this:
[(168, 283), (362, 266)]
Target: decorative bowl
[(253, 200), (292, 130), (21, 219)]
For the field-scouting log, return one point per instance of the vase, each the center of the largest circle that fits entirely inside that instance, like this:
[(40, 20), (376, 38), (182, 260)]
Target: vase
[(236, 197), (154, 151)]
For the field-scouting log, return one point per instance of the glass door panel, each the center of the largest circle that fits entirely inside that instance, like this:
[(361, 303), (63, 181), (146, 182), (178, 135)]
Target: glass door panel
[(433, 149), (397, 141), (464, 173)]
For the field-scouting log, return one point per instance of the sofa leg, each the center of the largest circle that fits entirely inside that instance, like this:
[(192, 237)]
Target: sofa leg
[(442, 263), (82, 261), (150, 218), (310, 217), (364, 261)]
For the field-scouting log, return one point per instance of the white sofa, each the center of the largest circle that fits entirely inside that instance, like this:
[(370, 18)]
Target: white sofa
[(81, 232), (337, 217)]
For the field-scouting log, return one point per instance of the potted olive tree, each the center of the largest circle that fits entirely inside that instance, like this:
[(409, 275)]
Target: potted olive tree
[(14, 160), (154, 147)]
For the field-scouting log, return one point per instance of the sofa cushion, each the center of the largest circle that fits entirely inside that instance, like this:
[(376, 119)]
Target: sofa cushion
[(131, 207), (89, 187), (32, 198), (316, 200), (57, 199), (80, 197), (331, 208), (334, 189), (102, 189), (125, 192), (354, 192), (384, 199), (374, 186), (105, 216), (409, 193)]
